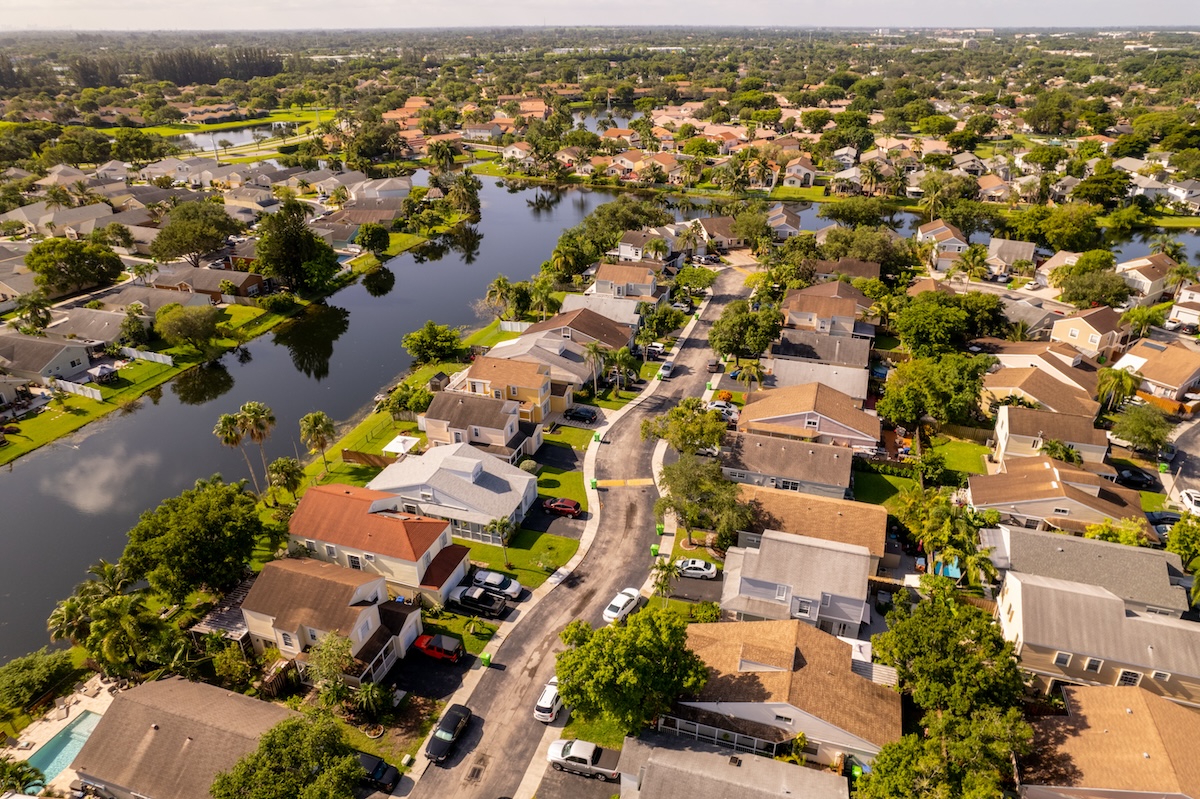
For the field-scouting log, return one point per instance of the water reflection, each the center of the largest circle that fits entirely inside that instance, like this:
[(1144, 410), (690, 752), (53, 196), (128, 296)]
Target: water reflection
[(463, 239), (95, 484), (544, 201), (309, 339), (379, 282), (203, 384)]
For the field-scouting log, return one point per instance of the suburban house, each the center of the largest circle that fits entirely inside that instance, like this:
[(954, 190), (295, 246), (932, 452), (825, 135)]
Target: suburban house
[(1045, 494), (1060, 361), (799, 173), (833, 307), (1147, 277), (1186, 309), (296, 602), (771, 680), (847, 267), (149, 299), (482, 131), (570, 366), (944, 236), (1069, 633), (1032, 385), (787, 464), (849, 380), (788, 576), (1116, 742), (491, 425), (1096, 332), (1021, 433), (812, 412), (718, 232), (461, 485), (838, 520), (1047, 267), (1170, 371), (784, 222), (521, 152), (169, 738), (214, 283), (40, 359), (993, 188), (524, 381), (630, 137), (635, 245), (633, 282), (582, 326), (1004, 253), (846, 156), (808, 345), (675, 766), (372, 532), (622, 310), (1149, 581)]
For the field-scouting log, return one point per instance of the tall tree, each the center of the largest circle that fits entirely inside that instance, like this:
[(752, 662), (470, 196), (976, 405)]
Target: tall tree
[(124, 634), (33, 309), (316, 432), (503, 529), (193, 230), (229, 432), (19, 776), (743, 332), (304, 757), (597, 356), (373, 237), (1114, 386), (257, 420), (687, 427), (1141, 318), (61, 264), (1143, 426), (291, 251), (286, 473)]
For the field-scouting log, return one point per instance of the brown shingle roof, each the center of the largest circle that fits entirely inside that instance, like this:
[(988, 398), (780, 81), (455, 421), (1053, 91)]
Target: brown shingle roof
[(773, 402), (1031, 479), (591, 324), (502, 371), (1102, 319), (1118, 738), (1043, 389), (1060, 426), (341, 515), (1169, 365), (820, 517), (308, 592), (622, 273), (814, 675)]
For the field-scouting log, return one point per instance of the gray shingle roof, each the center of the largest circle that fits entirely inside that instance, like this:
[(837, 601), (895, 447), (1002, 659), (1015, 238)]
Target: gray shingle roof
[(460, 410), (812, 346), (796, 460)]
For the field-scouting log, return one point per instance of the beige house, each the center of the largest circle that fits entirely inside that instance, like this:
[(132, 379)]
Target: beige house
[(1170, 371), (296, 602), (526, 382), (1032, 385), (1096, 332), (1147, 277), (1021, 433), (369, 531), (489, 424), (811, 412), (799, 173), (628, 281), (1068, 633), (1186, 309), (1056, 360), (834, 307), (583, 326), (570, 367)]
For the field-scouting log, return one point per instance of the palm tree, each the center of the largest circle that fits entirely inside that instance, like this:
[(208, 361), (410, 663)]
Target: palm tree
[(1060, 451), (1114, 386), (58, 197), (441, 155), (256, 421), (371, 698), (692, 170), (339, 197), (885, 308), (286, 473), (933, 202), (871, 175), (123, 633), (972, 263), (624, 362), (689, 239), (502, 529), (33, 308), (665, 573), (1166, 244), (229, 432), (83, 194), (109, 580), (657, 247), (20, 777), (1018, 331), (597, 355), (1181, 275), (317, 431), (1141, 318), (541, 293), (751, 373), (69, 621), (499, 295)]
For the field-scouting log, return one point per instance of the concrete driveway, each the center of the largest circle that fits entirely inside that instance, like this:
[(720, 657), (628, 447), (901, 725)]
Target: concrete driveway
[(429, 677), (561, 785), (696, 590)]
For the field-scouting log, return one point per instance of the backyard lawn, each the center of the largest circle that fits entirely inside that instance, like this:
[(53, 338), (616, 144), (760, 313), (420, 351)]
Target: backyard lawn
[(575, 437), (534, 556), (604, 731), (812, 194), (1152, 501), (879, 489), (961, 456), (677, 551), (455, 625)]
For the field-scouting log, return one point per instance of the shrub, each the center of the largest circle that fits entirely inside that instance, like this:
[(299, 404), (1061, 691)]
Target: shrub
[(725, 396), (530, 465), (27, 678), (94, 305), (277, 303), (706, 612)]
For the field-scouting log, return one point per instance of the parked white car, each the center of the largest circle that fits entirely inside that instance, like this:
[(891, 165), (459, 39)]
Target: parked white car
[(497, 583), (549, 704), (1190, 499), (696, 568), (622, 605)]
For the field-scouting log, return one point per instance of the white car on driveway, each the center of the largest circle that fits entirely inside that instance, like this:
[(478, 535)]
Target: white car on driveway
[(728, 410), (622, 605), (696, 568), (497, 583), (1191, 499)]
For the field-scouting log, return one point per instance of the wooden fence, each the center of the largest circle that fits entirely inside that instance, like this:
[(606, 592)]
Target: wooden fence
[(979, 435), (367, 458)]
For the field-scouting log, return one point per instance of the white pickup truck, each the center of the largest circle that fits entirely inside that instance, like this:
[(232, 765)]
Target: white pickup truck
[(584, 758)]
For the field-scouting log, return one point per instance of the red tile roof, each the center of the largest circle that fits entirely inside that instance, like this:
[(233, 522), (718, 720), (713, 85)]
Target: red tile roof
[(341, 515)]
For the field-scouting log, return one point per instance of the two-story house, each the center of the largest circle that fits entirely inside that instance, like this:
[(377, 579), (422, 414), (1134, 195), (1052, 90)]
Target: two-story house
[(1170, 371), (525, 382), (374, 532), (784, 222), (582, 326), (521, 152), (799, 173), (1069, 633), (834, 307), (1032, 385), (570, 366), (812, 412), (788, 576), (1096, 332), (461, 485), (628, 136), (1047, 267), (1022, 432), (489, 424), (1147, 277), (1186, 309), (787, 464), (296, 602)]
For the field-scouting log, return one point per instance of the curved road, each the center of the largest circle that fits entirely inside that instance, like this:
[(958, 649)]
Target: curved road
[(503, 740)]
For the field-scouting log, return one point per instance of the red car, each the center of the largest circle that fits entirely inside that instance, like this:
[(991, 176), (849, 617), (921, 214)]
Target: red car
[(562, 506), (442, 647)]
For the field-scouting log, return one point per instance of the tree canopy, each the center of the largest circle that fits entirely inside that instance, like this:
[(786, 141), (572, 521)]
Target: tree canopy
[(61, 264), (433, 342), (743, 332), (945, 388), (687, 427), (194, 326), (193, 229), (291, 251), (299, 758)]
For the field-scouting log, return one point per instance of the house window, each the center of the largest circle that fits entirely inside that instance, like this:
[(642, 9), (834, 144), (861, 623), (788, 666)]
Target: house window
[(475, 432), (803, 607), (512, 391), (498, 394), (1072, 333), (310, 545), (354, 562), (1010, 613), (812, 422), (737, 475), (1062, 659), (425, 561), (331, 550), (287, 641), (1093, 339), (370, 558), (1093, 665), (566, 332), (457, 437), (410, 508), (1159, 611), (789, 485), (364, 629), (1062, 511), (1161, 676), (811, 748), (1129, 678), (780, 593)]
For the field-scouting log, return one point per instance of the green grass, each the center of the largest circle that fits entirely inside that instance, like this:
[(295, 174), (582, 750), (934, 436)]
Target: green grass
[(555, 482), (489, 336), (534, 556), (387, 747), (879, 489), (397, 243), (14, 723), (886, 342), (648, 370), (454, 625), (677, 551), (962, 456), (605, 731), (275, 116), (1152, 501), (812, 194), (574, 437)]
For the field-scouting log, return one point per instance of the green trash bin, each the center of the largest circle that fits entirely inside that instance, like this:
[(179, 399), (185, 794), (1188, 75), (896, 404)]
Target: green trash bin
[(486, 660), (595, 436), (658, 528), (708, 386), (654, 550), (593, 484), (1163, 468)]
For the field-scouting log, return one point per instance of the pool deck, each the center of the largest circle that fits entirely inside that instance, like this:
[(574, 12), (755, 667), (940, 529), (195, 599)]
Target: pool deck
[(49, 725)]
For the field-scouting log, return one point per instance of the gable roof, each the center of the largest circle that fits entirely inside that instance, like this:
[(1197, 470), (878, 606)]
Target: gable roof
[(792, 662), (810, 345), (169, 739), (1043, 389), (1065, 427), (1102, 319), (31, 353), (461, 410), (1117, 738), (566, 358), (821, 464), (1166, 364), (774, 402), (1152, 267), (589, 323), (523, 374), (308, 592), (1039, 478), (721, 226), (626, 273), (1010, 251), (363, 519), (820, 517), (851, 267)]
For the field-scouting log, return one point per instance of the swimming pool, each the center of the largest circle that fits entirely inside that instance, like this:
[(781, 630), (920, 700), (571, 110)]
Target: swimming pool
[(60, 750)]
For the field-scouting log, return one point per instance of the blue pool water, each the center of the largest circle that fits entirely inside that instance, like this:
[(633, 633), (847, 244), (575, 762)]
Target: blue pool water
[(60, 750)]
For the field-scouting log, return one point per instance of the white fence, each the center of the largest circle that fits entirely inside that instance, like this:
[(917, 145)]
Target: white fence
[(77, 389), (143, 355), (514, 327)]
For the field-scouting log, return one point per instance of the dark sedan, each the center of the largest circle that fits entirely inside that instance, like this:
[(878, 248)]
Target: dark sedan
[(1137, 479), (381, 775), (580, 413), (448, 731), (475, 600)]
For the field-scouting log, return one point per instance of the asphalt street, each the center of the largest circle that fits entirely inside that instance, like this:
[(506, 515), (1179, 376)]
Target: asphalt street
[(502, 741)]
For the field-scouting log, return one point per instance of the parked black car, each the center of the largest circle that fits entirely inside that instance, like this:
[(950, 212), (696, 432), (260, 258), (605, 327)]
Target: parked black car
[(1136, 478), (1158, 517), (580, 413), (381, 775), (448, 731), (475, 600)]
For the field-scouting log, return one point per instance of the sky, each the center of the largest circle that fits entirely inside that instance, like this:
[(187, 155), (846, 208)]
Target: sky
[(118, 15)]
